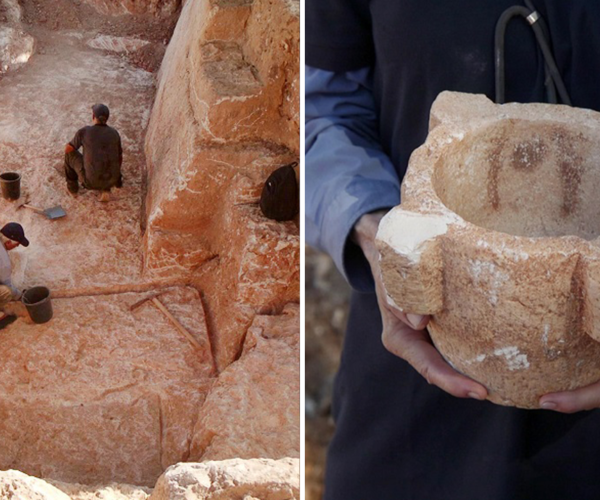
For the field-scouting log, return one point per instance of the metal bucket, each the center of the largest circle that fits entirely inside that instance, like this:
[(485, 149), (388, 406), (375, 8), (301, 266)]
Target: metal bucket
[(11, 185), (38, 304)]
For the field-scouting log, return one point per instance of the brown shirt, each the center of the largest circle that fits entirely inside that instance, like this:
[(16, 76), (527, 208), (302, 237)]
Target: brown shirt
[(102, 155)]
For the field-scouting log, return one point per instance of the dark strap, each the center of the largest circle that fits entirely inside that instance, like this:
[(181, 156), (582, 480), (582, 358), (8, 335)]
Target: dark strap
[(554, 81)]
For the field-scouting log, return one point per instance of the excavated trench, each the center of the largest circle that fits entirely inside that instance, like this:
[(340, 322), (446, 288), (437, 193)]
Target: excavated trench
[(100, 393)]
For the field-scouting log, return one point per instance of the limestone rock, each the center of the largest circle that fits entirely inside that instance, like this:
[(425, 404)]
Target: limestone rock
[(11, 11), (101, 393), (253, 410), (117, 44), (16, 47), (112, 491), (497, 237), (122, 7), (225, 116), (243, 479), (17, 485)]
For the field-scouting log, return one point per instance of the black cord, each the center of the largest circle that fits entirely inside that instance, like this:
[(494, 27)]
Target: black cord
[(540, 30), (548, 82)]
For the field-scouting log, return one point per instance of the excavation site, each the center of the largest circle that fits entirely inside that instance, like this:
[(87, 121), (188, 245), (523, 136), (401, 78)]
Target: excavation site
[(155, 350)]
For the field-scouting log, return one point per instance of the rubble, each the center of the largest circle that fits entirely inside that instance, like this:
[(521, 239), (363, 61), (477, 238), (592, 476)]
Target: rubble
[(247, 479)]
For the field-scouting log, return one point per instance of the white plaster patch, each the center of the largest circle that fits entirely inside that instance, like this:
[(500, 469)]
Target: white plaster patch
[(515, 255), (488, 273), (515, 360), (406, 232), (477, 359)]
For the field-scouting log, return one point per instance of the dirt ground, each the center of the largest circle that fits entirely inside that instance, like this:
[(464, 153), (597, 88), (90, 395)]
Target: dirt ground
[(42, 18), (327, 296)]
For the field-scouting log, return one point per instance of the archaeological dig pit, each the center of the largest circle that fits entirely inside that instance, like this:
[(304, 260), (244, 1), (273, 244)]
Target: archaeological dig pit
[(204, 94)]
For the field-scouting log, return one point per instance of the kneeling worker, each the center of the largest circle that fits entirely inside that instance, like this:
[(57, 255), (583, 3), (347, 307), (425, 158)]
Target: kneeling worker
[(13, 236), (99, 167)]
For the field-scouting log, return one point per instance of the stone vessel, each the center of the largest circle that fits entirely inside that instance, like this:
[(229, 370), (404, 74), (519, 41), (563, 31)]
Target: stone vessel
[(497, 237)]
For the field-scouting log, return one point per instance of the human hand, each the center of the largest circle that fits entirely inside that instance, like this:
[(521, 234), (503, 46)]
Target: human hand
[(584, 398), (405, 334)]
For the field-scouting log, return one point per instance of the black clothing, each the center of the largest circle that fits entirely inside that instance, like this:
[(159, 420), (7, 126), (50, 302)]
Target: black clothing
[(280, 196), (74, 171), (102, 158), (420, 48), (397, 437)]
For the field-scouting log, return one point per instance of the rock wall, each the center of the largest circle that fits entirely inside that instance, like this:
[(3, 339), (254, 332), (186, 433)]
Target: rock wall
[(102, 393), (16, 46), (226, 115), (253, 409), (122, 7)]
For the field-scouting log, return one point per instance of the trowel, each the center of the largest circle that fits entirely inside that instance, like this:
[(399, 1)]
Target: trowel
[(52, 213)]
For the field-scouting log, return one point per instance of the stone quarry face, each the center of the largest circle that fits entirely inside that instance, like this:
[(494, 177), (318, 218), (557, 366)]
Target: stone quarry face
[(225, 116), (497, 238), (16, 46), (102, 393)]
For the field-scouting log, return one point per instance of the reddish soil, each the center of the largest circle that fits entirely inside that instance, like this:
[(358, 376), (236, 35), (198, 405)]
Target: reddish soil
[(41, 18)]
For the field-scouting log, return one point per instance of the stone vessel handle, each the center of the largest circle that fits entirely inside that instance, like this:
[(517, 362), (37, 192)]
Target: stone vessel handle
[(585, 286), (411, 260)]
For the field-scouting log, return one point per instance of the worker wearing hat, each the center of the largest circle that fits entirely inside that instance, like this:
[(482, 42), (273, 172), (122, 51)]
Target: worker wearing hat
[(13, 235), (99, 167)]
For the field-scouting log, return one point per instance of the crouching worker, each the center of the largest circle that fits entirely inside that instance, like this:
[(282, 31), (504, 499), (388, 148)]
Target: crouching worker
[(12, 236), (99, 167)]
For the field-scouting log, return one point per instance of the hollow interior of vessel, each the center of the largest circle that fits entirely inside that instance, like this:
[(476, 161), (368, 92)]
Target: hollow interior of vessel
[(524, 177)]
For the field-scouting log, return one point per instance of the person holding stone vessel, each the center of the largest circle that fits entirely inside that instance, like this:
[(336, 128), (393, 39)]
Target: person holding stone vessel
[(408, 425), (13, 235), (99, 167)]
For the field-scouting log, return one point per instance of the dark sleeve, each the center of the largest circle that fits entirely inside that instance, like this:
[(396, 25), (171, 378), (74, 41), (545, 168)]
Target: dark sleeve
[(338, 34), (120, 150), (77, 141)]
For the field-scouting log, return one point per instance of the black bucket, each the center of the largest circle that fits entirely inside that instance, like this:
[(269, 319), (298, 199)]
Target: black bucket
[(11, 185), (38, 304)]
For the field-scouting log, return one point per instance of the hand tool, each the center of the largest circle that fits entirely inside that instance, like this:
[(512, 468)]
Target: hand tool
[(52, 213)]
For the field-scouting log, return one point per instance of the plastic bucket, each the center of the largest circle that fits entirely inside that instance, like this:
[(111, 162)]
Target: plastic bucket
[(11, 185), (38, 304)]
